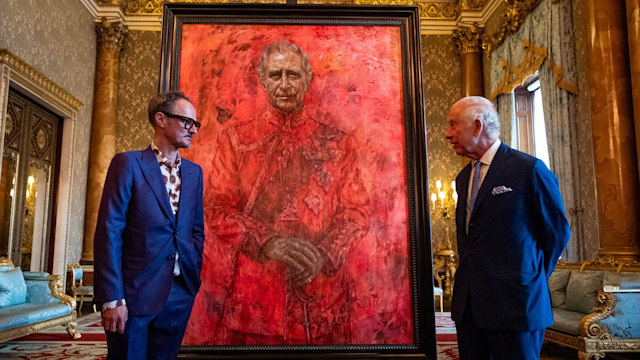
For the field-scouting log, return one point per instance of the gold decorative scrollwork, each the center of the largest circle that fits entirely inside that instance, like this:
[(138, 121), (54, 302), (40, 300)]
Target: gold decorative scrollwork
[(438, 10), (55, 285), (515, 14), (467, 38), (445, 262), (154, 7), (110, 2), (37, 78), (471, 4), (590, 326), (111, 34), (383, 2), (608, 262), (515, 75), (327, 2)]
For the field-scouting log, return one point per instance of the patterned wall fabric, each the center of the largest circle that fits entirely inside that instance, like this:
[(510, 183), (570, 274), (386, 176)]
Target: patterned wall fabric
[(585, 143), (57, 37), (139, 69), (441, 75)]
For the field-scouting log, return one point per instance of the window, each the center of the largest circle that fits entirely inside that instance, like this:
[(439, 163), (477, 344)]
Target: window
[(529, 129)]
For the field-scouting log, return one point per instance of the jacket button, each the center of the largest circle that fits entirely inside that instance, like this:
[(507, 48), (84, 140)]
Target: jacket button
[(171, 257)]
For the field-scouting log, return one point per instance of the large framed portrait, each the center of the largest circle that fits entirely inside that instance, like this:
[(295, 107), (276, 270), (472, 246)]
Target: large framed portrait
[(315, 193)]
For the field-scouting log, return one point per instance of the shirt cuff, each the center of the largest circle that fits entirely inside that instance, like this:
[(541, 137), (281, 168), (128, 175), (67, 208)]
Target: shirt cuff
[(113, 304)]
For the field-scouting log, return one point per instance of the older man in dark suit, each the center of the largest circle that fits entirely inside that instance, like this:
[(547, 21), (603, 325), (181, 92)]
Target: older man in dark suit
[(149, 238), (511, 230)]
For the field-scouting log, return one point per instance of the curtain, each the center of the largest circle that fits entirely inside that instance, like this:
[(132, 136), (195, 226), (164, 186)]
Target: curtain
[(550, 26)]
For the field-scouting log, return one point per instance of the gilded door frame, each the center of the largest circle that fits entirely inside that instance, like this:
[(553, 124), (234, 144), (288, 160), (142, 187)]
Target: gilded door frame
[(16, 73)]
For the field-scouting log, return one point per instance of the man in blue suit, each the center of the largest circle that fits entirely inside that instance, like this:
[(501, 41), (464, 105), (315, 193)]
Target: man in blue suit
[(149, 238), (511, 230)]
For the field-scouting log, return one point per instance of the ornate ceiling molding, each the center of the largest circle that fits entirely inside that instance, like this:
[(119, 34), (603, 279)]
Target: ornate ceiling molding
[(437, 17)]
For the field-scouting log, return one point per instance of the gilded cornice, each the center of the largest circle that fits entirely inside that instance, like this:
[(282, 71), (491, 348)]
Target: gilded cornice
[(467, 38), (111, 34), (436, 17), (471, 4), (110, 2), (515, 14), (20, 67), (154, 7)]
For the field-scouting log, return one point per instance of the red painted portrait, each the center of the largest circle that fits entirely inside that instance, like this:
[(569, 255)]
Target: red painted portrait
[(304, 153)]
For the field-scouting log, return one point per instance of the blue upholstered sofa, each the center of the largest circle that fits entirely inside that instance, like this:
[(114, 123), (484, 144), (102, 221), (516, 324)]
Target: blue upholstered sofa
[(32, 301), (596, 307)]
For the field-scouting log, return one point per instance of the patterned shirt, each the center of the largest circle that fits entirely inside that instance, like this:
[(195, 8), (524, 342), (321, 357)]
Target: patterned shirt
[(172, 181), (171, 175)]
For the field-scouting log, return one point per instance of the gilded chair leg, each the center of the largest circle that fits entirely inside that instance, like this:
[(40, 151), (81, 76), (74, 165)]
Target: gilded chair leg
[(71, 329), (81, 302), (589, 355)]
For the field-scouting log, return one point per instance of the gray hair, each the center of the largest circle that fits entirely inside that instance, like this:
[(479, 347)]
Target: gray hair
[(283, 47), (478, 107)]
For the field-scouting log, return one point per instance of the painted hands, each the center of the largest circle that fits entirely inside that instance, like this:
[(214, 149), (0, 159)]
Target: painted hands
[(304, 261)]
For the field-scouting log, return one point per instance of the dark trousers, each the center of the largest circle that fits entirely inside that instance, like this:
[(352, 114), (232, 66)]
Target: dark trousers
[(158, 336), (482, 344)]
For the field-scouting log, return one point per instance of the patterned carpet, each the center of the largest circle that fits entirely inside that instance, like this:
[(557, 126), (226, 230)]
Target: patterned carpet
[(55, 344)]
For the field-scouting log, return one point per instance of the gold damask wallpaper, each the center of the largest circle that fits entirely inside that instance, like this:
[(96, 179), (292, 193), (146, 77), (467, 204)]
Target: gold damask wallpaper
[(58, 39), (139, 69), (441, 75)]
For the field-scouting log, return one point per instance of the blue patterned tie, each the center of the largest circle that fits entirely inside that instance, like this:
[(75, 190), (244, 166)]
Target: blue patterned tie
[(475, 185)]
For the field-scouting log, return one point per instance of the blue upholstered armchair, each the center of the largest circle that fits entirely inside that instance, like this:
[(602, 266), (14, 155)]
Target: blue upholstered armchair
[(78, 289), (32, 301)]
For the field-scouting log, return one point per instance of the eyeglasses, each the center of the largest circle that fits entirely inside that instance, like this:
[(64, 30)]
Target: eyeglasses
[(188, 122)]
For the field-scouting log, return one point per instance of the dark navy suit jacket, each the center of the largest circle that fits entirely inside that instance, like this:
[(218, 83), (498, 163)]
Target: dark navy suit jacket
[(137, 234), (515, 238)]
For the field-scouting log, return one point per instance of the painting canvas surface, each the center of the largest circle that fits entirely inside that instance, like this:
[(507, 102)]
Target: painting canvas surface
[(332, 175)]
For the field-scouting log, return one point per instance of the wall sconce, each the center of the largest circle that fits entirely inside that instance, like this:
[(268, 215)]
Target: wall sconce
[(444, 257), (444, 210)]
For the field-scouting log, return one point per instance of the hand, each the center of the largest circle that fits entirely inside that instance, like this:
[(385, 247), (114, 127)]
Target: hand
[(115, 319), (304, 261)]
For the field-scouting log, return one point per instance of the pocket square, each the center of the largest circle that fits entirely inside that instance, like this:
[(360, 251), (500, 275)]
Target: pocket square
[(500, 190)]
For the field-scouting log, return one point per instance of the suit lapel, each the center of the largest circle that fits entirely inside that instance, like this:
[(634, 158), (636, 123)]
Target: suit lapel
[(188, 183), (463, 185), (498, 166), (153, 175)]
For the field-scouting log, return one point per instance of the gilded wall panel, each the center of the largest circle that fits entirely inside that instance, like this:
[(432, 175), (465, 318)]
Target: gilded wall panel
[(138, 81), (585, 146), (441, 71), (57, 37)]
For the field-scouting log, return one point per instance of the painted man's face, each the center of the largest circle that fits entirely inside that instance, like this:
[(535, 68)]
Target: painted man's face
[(285, 82)]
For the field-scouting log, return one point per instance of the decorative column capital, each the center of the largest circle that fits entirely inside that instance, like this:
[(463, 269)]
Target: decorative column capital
[(467, 38), (111, 34)]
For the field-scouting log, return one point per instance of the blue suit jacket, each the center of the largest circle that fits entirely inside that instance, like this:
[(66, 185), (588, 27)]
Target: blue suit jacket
[(137, 234), (515, 239)]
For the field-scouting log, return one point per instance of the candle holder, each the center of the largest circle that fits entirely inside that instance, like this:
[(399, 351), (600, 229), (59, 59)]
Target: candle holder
[(443, 207)]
